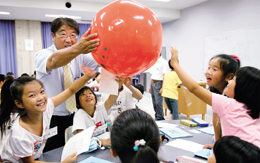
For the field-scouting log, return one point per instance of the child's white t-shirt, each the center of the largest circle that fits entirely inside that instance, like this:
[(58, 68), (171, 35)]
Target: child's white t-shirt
[(124, 102), (82, 120), (21, 143)]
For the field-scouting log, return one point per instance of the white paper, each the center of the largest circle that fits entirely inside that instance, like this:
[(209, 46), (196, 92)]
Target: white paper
[(108, 84), (28, 44), (165, 125), (195, 131), (78, 143), (185, 145), (104, 136)]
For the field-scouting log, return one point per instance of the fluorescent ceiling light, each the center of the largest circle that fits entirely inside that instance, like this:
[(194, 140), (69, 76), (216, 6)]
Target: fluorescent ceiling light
[(68, 16), (162, 0), (4, 13)]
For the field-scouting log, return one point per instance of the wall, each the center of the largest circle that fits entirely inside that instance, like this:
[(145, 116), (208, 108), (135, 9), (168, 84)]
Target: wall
[(213, 17), (27, 29)]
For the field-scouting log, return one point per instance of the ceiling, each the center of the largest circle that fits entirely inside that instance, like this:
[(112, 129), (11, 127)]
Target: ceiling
[(86, 9)]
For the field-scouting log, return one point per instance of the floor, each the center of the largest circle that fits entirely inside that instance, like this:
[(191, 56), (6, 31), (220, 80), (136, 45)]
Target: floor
[(146, 104)]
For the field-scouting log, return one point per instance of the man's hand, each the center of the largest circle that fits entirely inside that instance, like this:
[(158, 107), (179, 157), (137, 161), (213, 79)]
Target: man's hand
[(87, 44)]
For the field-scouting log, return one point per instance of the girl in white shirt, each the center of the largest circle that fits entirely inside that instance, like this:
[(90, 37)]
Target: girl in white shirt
[(29, 131), (91, 113)]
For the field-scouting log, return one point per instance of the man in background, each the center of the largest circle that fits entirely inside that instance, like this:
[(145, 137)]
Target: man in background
[(157, 71)]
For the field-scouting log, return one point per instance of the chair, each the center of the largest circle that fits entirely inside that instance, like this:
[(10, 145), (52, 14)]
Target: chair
[(68, 133), (189, 104)]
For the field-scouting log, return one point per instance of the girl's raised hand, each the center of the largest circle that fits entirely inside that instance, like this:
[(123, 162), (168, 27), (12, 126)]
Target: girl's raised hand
[(71, 158), (174, 57), (87, 71)]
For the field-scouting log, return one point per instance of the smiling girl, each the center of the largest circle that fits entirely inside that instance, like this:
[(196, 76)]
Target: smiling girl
[(91, 113), (29, 131)]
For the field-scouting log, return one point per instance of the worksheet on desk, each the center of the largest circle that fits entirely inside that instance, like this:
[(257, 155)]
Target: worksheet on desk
[(185, 145), (165, 125)]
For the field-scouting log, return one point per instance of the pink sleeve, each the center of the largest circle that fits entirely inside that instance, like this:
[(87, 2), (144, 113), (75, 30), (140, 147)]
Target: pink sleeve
[(220, 104)]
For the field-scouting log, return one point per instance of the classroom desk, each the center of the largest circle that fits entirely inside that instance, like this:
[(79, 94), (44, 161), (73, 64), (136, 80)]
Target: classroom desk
[(166, 153)]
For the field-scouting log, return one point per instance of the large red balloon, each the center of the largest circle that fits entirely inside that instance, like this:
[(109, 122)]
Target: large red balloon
[(130, 38)]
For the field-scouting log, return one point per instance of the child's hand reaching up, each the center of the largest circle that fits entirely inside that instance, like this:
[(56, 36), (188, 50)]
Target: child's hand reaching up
[(174, 57), (124, 80), (87, 71), (71, 158)]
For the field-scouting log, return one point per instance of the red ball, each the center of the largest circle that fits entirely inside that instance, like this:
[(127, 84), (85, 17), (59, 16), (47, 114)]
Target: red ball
[(130, 38)]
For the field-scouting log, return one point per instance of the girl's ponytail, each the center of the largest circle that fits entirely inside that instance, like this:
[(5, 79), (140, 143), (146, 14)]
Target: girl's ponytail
[(145, 154), (7, 106)]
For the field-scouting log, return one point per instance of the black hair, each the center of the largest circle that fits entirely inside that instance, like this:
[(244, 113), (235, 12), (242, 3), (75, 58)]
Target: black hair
[(227, 65), (9, 74), (25, 74), (140, 87), (247, 89), (58, 22), (132, 125), (2, 77), (231, 149), (9, 78), (169, 62), (85, 88), (97, 73), (12, 90)]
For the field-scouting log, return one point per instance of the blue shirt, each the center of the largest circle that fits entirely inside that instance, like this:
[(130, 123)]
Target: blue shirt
[(53, 80)]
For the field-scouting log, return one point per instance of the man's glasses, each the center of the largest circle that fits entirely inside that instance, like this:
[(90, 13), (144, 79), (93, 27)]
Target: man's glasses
[(64, 36)]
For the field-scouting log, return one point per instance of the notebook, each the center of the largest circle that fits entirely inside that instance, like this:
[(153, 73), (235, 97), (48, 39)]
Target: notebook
[(174, 132), (204, 153), (207, 130), (188, 123)]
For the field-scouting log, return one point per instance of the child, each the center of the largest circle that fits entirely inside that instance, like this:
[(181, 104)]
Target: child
[(221, 69), (124, 100), (170, 93), (239, 112), (232, 149), (135, 137), (91, 113), (30, 130)]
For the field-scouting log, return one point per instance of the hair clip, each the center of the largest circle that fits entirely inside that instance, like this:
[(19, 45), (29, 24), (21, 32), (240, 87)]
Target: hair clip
[(138, 143)]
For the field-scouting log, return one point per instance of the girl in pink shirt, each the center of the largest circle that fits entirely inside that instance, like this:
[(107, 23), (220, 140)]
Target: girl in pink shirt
[(239, 112)]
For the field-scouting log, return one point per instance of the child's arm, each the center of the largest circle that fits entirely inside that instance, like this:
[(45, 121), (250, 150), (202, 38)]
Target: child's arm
[(112, 98), (75, 86), (136, 93), (217, 126), (71, 158), (191, 84)]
